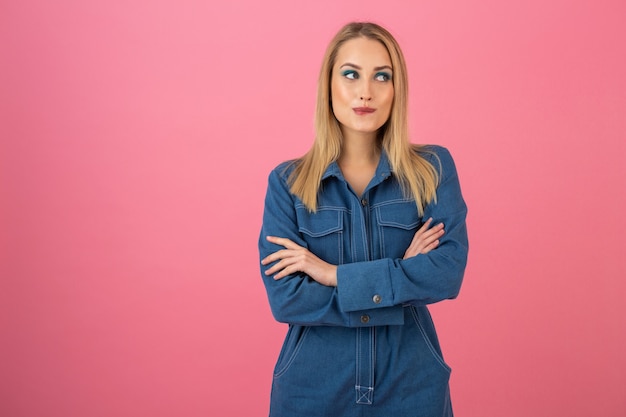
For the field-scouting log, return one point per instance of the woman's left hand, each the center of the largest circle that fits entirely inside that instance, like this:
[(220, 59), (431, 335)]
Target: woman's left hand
[(295, 258)]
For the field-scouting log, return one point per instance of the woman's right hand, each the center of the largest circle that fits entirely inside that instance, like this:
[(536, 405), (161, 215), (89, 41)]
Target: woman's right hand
[(425, 239)]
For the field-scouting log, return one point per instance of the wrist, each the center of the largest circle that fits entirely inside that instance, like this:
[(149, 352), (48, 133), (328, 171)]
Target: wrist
[(332, 276)]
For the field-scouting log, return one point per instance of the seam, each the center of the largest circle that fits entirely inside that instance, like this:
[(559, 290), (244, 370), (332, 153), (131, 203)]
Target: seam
[(293, 354), (430, 346)]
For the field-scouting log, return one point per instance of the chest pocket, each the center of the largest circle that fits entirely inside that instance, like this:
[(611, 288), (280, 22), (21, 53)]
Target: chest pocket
[(323, 231), (397, 223)]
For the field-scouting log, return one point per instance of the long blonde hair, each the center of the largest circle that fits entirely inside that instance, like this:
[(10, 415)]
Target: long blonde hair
[(416, 175)]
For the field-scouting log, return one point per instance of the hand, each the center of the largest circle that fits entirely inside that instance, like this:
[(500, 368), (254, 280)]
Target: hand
[(425, 239), (295, 258)]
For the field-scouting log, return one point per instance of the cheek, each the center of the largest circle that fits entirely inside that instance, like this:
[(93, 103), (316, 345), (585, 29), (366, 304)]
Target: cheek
[(388, 104), (338, 93), (389, 96), (384, 94), (389, 99)]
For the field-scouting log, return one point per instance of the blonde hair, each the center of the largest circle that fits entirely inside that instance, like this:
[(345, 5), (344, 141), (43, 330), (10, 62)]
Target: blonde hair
[(416, 175)]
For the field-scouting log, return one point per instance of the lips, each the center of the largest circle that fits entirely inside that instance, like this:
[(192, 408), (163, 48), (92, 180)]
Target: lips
[(363, 110)]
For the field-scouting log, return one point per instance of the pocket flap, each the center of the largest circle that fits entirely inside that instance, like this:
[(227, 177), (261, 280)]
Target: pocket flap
[(321, 223), (401, 215)]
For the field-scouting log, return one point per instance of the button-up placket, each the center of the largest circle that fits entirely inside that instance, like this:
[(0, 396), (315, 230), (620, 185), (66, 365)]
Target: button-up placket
[(361, 238)]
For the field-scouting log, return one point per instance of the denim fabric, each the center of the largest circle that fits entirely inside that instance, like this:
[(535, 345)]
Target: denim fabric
[(367, 347)]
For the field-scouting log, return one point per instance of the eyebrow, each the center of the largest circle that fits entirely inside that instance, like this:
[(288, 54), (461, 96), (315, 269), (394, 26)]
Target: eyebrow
[(348, 64)]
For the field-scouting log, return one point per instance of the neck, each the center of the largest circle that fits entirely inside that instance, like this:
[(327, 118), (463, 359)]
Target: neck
[(359, 149)]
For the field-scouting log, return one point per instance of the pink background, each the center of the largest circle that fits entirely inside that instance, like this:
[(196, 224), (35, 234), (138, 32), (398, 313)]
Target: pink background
[(136, 139)]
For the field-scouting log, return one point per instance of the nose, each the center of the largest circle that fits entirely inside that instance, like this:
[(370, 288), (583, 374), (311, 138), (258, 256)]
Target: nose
[(366, 93)]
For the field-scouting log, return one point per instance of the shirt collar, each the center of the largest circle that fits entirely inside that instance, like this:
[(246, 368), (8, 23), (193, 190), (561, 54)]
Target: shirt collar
[(383, 170)]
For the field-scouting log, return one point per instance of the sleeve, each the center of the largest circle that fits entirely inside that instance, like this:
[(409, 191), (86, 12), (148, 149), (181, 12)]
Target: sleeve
[(298, 299), (422, 279)]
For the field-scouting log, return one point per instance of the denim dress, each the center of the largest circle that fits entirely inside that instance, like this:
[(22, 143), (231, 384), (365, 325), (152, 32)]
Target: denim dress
[(368, 346)]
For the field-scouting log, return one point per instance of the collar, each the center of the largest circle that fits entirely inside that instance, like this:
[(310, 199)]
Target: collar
[(383, 170)]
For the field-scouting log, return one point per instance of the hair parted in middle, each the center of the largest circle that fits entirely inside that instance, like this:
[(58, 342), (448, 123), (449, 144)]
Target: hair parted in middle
[(416, 175)]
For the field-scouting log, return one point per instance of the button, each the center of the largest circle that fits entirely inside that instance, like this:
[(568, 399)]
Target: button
[(377, 299), (364, 202), (365, 318)]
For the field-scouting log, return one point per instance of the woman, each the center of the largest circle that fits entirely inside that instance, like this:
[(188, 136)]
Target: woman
[(353, 246)]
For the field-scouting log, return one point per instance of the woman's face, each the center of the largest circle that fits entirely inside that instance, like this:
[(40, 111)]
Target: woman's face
[(361, 86)]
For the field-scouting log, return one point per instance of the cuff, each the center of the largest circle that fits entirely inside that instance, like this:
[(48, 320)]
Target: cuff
[(364, 286)]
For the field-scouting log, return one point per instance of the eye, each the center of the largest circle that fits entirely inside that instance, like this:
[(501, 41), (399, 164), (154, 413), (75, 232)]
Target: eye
[(382, 76), (350, 74)]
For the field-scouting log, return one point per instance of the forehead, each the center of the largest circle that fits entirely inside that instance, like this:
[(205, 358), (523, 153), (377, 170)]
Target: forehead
[(363, 52)]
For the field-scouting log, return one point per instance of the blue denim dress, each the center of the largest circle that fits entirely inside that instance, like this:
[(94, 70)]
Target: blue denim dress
[(368, 346)]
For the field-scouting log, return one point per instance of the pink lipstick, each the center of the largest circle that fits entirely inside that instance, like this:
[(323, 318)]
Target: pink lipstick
[(363, 110)]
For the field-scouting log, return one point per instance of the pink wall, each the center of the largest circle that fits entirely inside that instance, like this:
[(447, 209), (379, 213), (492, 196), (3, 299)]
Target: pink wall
[(135, 142)]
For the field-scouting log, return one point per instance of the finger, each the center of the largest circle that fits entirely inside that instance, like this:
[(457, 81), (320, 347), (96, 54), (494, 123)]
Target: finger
[(279, 266), (435, 232), (273, 269), (419, 232), (429, 236), (424, 233), (426, 224), (424, 242), (433, 229), (279, 254), (434, 238), (289, 264), (430, 247), (429, 241), (424, 227), (288, 270), (283, 241), (281, 274)]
